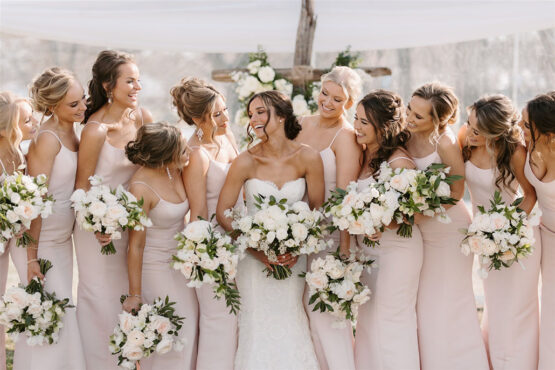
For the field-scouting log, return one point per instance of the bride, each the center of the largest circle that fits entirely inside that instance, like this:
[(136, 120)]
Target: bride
[(273, 327)]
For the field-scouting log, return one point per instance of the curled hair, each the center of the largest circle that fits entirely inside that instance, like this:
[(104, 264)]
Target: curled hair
[(194, 98), (347, 78), (9, 120), (105, 70), (541, 113), (497, 121), (282, 107), (385, 112), (445, 106), (158, 144), (49, 88)]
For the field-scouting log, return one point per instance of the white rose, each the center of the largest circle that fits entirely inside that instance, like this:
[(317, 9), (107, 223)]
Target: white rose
[(317, 280), (245, 224), (400, 182), (299, 232), (281, 234), (131, 352), (300, 106), (197, 230), (161, 324), (254, 66), (498, 221), (15, 198), (443, 190), (164, 346), (95, 180), (26, 210), (97, 208), (266, 74), (126, 322), (128, 365), (12, 217), (284, 86)]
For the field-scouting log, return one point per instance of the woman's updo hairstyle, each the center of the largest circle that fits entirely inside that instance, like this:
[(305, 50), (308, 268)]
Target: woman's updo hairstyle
[(541, 113), (497, 121), (347, 78), (9, 119), (386, 113), (49, 88), (105, 70), (282, 108), (194, 98), (445, 105), (158, 144)]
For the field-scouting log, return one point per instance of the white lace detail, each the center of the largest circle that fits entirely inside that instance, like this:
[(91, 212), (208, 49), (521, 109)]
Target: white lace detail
[(273, 326)]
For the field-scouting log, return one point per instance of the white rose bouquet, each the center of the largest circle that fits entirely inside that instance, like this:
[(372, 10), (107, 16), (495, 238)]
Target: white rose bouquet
[(278, 228), (362, 212), (33, 312), (139, 334), (108, 211), (22, 199), (419, 192), (335, 287), (205, 256), (500, 235)]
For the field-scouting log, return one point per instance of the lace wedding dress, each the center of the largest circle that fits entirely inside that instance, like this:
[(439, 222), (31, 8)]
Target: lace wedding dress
[(273, 326)]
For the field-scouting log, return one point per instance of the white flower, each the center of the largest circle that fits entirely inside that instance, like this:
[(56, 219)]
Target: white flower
[(281, 234), (317, 280), (346, 290), (284, 86), (254, 66), (15, 198), (299, 232), (12, 217), (26, 210), (300, 106), (164, 346), (97, 208), (132, 352), (126, 322), (160, 323), (443, 190), (197, 230), (95, 180), (266, 74)]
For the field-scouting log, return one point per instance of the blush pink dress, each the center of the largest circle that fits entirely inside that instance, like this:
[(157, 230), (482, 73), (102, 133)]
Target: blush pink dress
[(386, 336), (545, 192), (4, 264), (159, 279), (448, 328), (333, 346), (510, 324), (102, 278), (56, 246), (217, 327)]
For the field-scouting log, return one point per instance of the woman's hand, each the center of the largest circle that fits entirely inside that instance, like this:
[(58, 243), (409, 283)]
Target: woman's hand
[(131, 303), (375, 237), (21, 231), (287, 260), (33, 270), (283, 259), (103, 239)]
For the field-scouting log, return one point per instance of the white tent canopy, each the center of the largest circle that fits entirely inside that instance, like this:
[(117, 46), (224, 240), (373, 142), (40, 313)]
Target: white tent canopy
[(240, 26)]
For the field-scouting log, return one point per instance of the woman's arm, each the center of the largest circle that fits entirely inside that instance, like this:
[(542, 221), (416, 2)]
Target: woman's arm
[(40, 160), (239, 172), (314, 175), (92, 140), (135, 251), (194, 179), (451, 156), (517, 163), (347, 159)]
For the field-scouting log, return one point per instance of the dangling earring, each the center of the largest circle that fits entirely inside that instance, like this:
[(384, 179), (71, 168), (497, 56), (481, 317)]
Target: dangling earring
[(110, 97), (200, 134), (169, 173)]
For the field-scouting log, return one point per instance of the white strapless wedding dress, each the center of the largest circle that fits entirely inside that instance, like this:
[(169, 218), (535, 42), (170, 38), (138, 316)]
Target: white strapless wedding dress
[(273, 326)]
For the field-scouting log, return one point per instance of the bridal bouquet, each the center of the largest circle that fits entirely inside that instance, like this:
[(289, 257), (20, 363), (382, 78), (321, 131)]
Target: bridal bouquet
[(420, 191), (335, 286), (278, 228), (138, 334), (362, 212), (205, 256), (22, 199), (107, 211), (33, 311), (500, 235)]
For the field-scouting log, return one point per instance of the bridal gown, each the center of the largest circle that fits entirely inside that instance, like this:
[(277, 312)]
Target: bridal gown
[(273, 326)]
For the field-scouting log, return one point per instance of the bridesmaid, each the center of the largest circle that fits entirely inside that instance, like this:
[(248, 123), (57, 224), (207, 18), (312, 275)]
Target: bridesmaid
[(213, 149), (58, 94), (330, 133), (494, 157), (160, 151), (112, 120), (538, 117), (386, 329), (16, 124), (448, 327)]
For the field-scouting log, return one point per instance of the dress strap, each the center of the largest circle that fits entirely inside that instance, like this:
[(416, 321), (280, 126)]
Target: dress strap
[(50, 132), (203, 150), (335, 137), (3, 167), (148, 186), (407, 158)]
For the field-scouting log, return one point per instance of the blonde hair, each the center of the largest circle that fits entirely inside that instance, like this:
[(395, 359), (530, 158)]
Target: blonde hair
[(194, 98), (496, 120), (445, 105), (347, 78), (9, 119), (49, 89)]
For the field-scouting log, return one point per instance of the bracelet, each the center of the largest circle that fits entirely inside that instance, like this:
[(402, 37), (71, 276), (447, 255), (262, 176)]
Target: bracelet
[(32, 260), (134, 295)]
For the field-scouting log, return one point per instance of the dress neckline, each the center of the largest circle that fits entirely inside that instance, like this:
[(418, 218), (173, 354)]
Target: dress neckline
[(533, 174), (274, 184)]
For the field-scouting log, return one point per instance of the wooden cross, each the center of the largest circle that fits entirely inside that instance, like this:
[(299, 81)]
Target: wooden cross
[(302, 71)]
